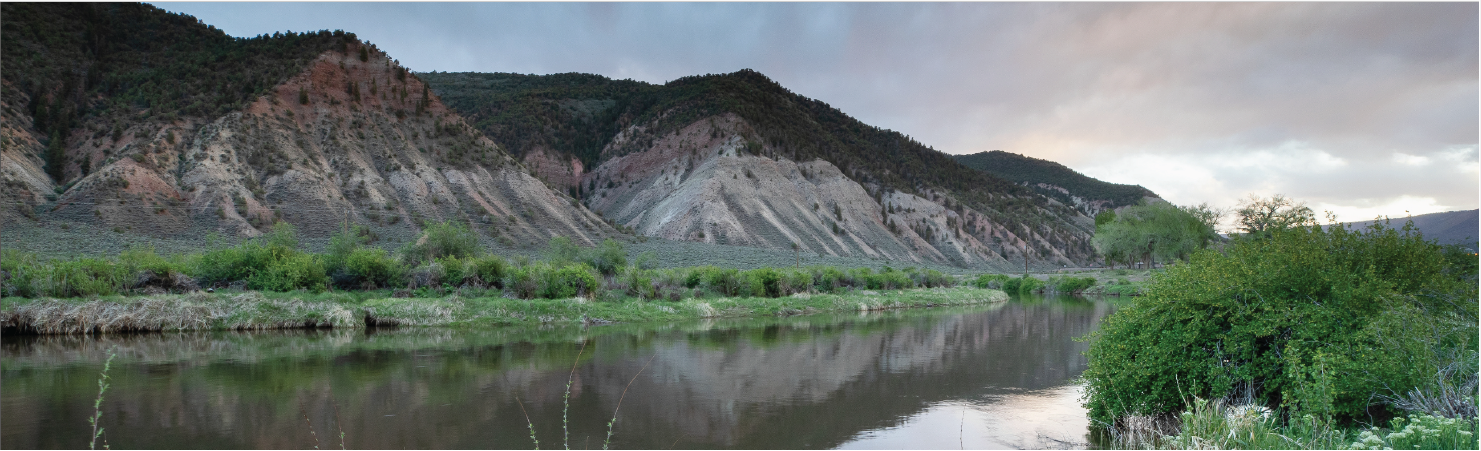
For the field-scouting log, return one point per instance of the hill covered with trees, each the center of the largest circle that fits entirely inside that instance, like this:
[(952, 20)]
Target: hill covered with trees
[(1056, 180), (125, 117)]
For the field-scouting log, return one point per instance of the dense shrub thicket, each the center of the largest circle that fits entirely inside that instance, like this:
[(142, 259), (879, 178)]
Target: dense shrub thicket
[(1340, 324), (446, 258)]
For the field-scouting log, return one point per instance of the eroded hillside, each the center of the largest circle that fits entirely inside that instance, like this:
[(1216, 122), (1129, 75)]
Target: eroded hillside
[(737, 159), (353, 137)]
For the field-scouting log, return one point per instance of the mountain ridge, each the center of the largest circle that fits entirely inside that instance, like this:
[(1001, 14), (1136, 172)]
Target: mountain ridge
[(978, 219), (350, 137), (1056, 181)]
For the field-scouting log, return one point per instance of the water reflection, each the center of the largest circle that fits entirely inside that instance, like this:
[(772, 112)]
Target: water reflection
[(999, 375)]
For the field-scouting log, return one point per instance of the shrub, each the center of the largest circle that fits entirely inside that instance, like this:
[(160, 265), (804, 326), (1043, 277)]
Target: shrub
[(570, 281), (1023, 285), (456, 271), (80, 277), (995, 281), (443, 239), (931, 278), (269, 262), (372, 268), (795, 281), (725, 281), (830, 279), (609, 257), (289, 272), (17, 270), (1070, 284), (491, 270), (766, 282), (1028, 285), (524, 281), (637, 282), (1320, 322)]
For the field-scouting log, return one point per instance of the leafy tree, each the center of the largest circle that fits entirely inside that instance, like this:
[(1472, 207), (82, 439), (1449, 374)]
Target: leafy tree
[(1260, 217), (1153, 231)]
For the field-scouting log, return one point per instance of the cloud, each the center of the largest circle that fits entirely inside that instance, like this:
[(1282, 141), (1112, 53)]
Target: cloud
[(1256, 97)]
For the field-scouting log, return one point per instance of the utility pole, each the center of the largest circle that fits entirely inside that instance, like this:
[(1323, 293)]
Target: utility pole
[(1025, 258)]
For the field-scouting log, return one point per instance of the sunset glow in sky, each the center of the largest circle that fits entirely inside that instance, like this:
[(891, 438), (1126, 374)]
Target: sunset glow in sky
[(1362, 109)]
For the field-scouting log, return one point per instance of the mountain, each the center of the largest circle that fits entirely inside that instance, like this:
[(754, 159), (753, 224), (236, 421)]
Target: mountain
[(1450, 227), (738, 159), (128, 117), (1056, 181)]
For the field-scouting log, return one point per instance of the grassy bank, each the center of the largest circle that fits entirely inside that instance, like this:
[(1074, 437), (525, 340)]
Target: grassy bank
[(256, 310)]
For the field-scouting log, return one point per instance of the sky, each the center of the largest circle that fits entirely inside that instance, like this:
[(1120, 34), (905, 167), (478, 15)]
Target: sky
[(1360, 109)]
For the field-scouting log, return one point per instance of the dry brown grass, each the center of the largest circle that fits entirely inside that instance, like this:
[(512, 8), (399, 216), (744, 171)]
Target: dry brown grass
[(247, 311)]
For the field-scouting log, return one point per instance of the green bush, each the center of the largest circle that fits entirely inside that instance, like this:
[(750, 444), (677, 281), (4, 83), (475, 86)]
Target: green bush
[(1030, 285), (289, 272), (491, 270), (443, 239), (995, 281), (830, 279), (1070, 285), (136, 261), (569, 281), (795, 281), (373, 268), (931, 278), (18, 269), (525, 281), (456, 271), (1023, 285), (80, 277), (1317, 322), (609, 257), (768, 280), (269, 262)]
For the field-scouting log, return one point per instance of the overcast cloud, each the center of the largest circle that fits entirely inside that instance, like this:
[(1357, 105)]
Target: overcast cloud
[(1358, 108)]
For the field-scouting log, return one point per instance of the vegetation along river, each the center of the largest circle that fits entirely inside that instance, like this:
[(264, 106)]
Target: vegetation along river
[(994, 376)]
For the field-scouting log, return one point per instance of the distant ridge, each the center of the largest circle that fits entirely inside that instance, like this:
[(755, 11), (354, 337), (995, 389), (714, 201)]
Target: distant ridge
[(1450, 227), (1056, 180)]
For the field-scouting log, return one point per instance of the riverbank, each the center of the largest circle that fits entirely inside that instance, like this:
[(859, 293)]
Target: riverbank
[(251, 310)]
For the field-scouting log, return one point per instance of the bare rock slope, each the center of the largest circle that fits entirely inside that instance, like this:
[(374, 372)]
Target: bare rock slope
[(353, 138), (701, 184)]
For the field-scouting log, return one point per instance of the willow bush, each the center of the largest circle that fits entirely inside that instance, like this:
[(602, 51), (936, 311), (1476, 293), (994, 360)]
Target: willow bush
[(1313, 321)]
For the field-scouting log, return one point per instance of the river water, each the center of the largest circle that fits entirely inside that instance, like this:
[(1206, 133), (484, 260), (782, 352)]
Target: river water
[(999, 376)]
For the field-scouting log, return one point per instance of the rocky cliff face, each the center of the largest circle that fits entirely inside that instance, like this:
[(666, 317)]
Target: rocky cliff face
[(738, 159), (354, 138), (700, 183)]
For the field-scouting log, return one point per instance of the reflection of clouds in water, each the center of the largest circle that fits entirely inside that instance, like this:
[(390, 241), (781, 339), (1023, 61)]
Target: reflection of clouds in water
[(1040, 419)]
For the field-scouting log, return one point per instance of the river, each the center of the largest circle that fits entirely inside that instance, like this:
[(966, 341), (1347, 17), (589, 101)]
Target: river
[(998, 376)]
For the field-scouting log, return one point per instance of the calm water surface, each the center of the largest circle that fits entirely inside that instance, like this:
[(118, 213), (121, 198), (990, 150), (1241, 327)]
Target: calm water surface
[(996, 376)]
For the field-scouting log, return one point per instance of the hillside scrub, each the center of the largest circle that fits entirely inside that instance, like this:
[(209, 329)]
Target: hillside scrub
[(446, 260), (1339, 325)]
